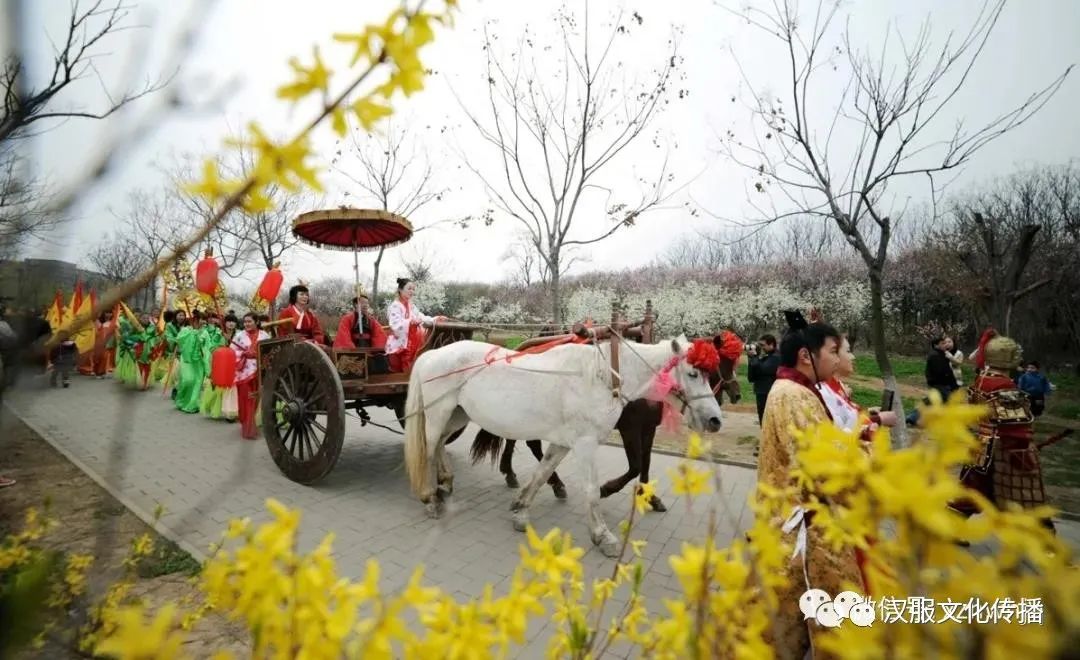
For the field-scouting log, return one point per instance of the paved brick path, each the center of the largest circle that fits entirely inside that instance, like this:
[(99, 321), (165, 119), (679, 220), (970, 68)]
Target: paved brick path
[(146, 453)]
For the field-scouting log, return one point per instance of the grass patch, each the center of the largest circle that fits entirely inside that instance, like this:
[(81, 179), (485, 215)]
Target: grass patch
[(870, 397), (906, 368), (1059, 461), (747, 440), (168, 558), (513, 342), (1060, 407)]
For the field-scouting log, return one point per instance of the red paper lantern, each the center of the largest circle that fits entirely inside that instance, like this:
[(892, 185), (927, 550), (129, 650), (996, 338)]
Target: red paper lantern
[(206, 274), (223, 367), (271, 284)]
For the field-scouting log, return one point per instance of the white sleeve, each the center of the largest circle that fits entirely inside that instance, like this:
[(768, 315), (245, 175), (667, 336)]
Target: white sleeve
[(420, 316), (399, 324), (239, 344)]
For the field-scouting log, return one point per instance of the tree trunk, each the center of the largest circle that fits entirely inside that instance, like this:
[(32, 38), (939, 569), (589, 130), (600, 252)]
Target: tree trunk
[(881, 354), (375, 282), (556, 296)]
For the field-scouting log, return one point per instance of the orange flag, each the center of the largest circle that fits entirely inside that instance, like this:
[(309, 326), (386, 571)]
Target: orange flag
[(55, 315), (76, 298)]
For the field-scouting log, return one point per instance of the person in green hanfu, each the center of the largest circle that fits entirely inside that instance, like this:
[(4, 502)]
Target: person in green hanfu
[(163, 350), (173, 326), (127, 371), (189, 343), (145, 344)]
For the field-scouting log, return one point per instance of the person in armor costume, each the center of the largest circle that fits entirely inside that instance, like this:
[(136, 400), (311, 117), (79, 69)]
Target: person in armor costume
[(1008, 468)]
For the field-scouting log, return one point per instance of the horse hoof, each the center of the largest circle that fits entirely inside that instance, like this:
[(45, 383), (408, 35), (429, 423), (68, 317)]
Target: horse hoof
[(656, 504), (560, 490), (608, 544), (434, 509), (511, 481), (521, 521)]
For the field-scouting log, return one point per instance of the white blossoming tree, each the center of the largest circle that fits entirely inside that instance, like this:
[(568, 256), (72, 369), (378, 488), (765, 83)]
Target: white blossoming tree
[(431, 297)]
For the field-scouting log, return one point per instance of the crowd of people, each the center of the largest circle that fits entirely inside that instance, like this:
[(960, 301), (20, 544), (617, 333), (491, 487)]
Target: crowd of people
[(207, 361)]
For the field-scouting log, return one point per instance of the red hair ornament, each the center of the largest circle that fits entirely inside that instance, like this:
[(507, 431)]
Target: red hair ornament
[(729, 345), (703, 356)]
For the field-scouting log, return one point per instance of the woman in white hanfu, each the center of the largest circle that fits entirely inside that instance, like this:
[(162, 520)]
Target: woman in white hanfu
[(245, 345), (406, 334)]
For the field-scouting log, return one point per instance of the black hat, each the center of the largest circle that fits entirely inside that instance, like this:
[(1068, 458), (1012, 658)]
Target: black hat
[(795, 320)]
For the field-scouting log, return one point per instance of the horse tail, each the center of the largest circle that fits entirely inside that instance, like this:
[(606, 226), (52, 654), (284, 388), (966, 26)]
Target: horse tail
[(486, 445), (416, 460)]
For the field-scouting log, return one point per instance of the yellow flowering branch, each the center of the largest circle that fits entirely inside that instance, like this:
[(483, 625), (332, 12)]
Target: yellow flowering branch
[(284, 164), (295, 604)]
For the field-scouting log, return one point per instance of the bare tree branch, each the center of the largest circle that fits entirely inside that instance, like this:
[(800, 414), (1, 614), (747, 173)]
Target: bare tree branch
[(89, 25), (892, 104), (554, 139), (394, 173)]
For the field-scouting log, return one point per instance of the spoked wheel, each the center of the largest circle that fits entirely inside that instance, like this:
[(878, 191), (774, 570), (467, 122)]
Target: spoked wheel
[(303, 413)]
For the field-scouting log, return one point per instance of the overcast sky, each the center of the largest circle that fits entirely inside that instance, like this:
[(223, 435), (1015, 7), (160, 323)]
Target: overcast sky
[(244, 45)]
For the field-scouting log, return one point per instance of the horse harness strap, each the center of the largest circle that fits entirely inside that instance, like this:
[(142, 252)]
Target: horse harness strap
[(722, 382)]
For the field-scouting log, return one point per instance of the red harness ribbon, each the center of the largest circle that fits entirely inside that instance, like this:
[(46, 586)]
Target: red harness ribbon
[(513, 355)]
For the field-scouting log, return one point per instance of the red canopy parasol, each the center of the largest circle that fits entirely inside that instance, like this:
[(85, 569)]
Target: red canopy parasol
[(352, 229)]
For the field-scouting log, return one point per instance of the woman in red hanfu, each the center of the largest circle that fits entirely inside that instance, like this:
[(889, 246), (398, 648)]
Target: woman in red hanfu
[(245, 345), (304, 321), (405, 319)]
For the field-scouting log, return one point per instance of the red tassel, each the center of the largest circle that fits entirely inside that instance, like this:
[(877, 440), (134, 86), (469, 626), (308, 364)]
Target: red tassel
[(729, 345), (703, 355), (980, 353), (671, 419)]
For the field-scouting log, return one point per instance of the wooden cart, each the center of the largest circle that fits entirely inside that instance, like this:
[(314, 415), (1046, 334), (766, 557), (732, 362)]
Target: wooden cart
[(306, 391)]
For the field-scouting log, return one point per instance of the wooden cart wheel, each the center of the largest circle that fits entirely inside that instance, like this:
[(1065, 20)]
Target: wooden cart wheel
[(303, 413)]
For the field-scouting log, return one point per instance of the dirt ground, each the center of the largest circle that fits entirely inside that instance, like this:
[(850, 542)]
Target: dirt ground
[(92, 521)]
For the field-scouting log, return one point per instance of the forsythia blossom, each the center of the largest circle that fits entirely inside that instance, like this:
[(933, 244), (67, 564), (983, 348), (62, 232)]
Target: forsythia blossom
[(728, 594)]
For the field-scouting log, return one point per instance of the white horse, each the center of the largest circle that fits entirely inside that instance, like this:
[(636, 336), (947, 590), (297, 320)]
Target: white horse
[(563, 396)]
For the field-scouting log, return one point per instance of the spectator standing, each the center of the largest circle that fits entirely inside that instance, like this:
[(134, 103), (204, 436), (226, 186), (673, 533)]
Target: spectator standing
[(761, 371), (1035, 384)]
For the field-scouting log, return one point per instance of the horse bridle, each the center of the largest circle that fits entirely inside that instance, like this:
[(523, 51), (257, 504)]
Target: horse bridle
[(678, 393), (723, 383)]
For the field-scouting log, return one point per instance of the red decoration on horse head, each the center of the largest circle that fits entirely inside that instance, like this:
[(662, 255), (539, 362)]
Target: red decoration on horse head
[(206, 273), (729, 345), (703, 355)]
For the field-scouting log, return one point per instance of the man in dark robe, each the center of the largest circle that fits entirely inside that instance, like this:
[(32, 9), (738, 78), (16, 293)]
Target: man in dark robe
[(359, 328)]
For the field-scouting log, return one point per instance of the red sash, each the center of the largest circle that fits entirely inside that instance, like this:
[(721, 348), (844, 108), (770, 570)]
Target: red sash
[(416, 333)]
